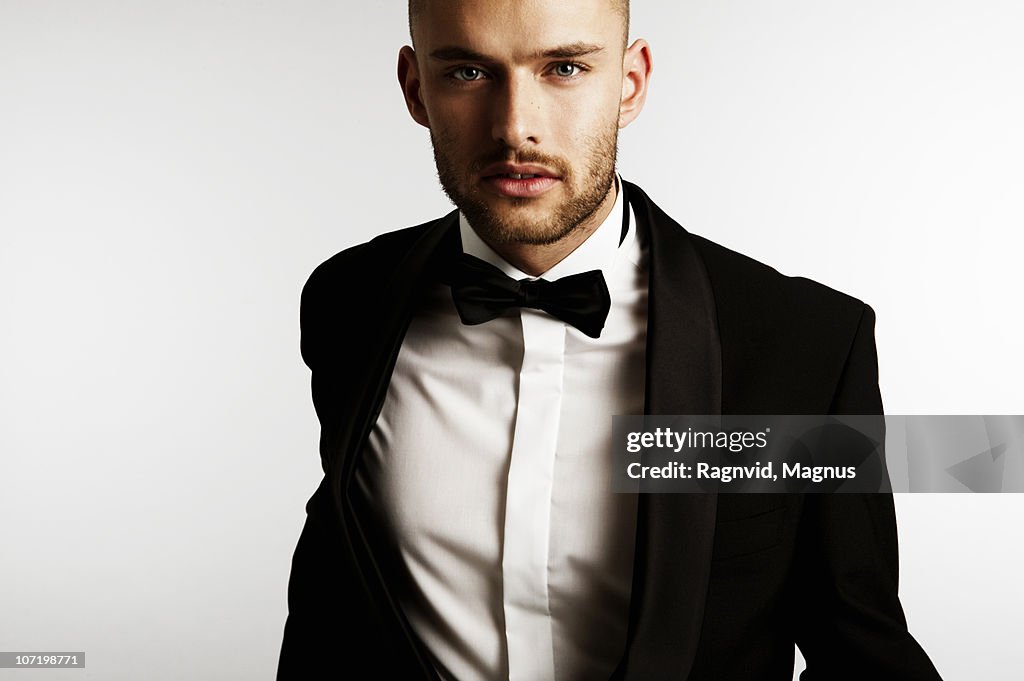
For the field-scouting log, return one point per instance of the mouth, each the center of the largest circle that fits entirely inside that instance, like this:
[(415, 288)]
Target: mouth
[(519, 181), (519, 176)]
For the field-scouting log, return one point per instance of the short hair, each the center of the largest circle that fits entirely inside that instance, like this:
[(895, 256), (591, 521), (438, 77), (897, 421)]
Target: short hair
[(620, 6)]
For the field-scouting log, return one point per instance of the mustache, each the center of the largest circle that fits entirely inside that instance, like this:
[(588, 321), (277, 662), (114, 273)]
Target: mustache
[(559, 165)]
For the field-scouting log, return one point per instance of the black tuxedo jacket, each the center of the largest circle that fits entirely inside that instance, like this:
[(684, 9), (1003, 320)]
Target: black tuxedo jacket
[(723, 584)]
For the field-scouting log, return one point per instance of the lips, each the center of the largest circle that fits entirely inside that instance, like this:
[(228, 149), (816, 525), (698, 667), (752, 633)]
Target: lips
[(519, 180)]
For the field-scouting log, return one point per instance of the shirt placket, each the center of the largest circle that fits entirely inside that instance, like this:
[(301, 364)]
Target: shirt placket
[(527, 522)]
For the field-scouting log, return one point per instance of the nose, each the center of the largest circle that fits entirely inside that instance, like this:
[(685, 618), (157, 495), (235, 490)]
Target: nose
[(517, 113)]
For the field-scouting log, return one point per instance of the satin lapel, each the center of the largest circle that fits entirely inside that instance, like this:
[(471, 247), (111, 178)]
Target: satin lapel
[(413, 271), (674, 531)]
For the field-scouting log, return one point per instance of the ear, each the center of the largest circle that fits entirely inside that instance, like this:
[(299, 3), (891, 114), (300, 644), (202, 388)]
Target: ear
[(409, 79), (637, 65)]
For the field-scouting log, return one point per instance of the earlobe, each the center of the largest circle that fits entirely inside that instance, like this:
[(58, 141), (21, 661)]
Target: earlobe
[(637, 66), (409, 80)]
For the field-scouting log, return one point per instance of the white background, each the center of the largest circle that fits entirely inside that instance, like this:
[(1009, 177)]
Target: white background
[(170, 172)]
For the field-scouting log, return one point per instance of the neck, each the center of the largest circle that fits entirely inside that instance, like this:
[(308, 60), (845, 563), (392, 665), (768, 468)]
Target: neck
[(536, 259)]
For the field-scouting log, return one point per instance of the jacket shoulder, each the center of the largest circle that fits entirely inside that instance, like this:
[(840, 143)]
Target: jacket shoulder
[(801, 342), (737, 274), (362, 259), (744, 281), (343, 287)]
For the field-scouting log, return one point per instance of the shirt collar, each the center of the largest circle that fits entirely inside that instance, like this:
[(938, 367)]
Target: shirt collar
[(596, 253)]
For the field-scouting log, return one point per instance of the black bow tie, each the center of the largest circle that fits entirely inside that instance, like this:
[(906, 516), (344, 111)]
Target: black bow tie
[(482, 292)]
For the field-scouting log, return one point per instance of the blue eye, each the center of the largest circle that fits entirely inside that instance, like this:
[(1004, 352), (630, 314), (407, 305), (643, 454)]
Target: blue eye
[(467, 73)]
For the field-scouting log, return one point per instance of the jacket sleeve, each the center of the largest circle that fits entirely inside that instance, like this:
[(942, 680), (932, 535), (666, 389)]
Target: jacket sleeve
[(336, 626), (849, 623), (323, 595), (317, 597)]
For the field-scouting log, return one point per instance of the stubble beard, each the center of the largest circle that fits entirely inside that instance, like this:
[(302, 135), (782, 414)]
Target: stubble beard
[(505, 227)]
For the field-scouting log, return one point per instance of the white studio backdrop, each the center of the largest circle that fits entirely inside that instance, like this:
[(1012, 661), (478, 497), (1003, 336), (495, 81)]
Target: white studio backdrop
[(170, 173)]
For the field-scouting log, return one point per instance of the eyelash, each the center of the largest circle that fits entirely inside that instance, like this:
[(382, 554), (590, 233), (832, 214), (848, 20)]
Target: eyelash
[(580, 68), (453, 74)]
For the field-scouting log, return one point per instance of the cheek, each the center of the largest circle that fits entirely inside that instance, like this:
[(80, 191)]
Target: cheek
[(461, 120), (588, 113), (588, 131), (452, 101)]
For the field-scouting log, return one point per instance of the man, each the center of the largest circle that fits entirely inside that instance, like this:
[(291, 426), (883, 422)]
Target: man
[(465, 528)]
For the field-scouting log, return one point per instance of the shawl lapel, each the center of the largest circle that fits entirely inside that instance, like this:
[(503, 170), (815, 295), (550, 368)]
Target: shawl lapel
[(674, 531), (412, 270)]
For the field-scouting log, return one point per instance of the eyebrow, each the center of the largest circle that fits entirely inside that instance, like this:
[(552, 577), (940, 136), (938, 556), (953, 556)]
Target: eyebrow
[(569, 51)]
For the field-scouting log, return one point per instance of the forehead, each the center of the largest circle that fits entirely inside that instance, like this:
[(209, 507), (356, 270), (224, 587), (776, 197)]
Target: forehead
[(511, 28)]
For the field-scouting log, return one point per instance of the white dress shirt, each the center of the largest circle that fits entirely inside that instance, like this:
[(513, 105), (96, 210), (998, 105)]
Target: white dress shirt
[(489, 470)]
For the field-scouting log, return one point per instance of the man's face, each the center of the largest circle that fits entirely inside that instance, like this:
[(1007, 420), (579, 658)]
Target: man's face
[(522, 100)]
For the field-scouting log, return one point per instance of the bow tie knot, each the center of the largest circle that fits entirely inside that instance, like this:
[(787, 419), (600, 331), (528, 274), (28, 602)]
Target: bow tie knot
[(481, 292), (531, 291)]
